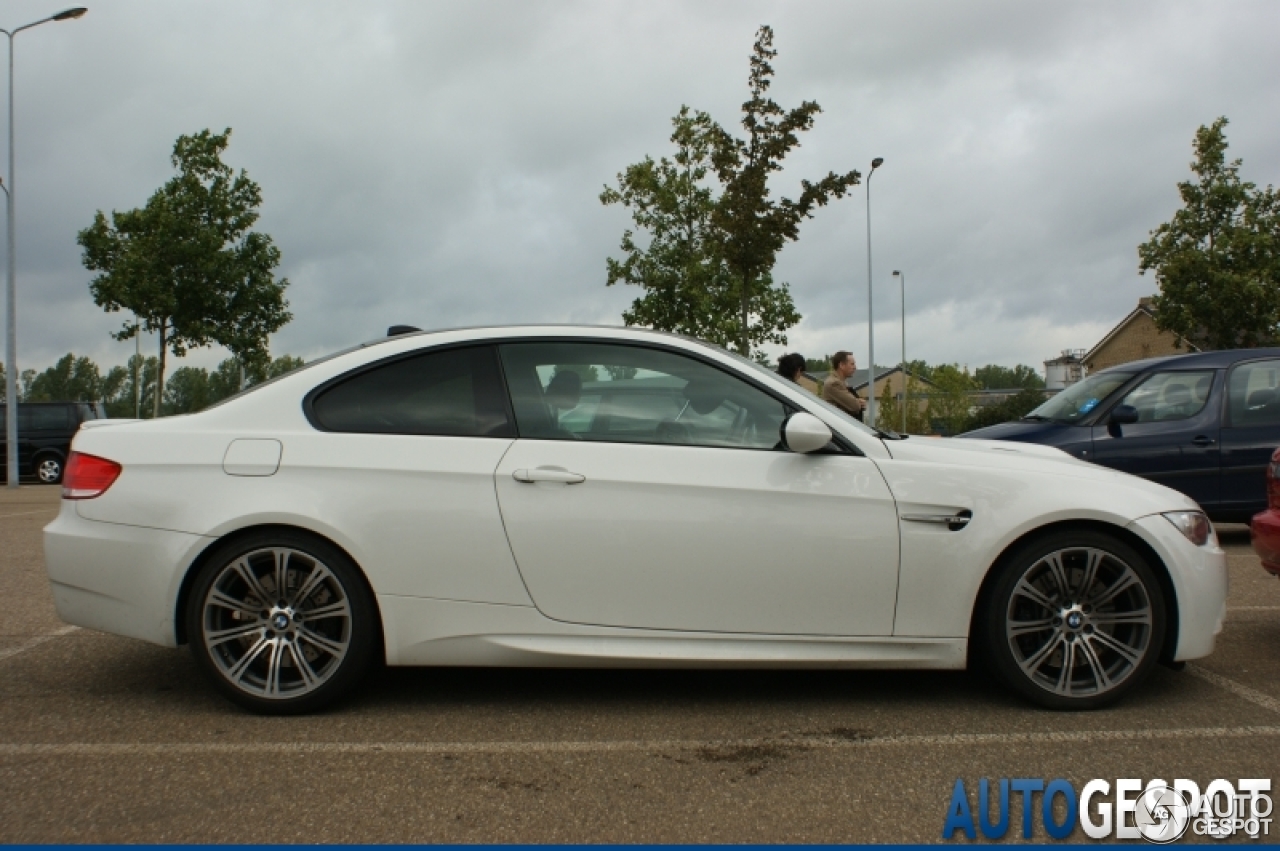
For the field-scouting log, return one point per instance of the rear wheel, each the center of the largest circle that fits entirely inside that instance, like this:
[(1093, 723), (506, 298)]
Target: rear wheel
[(1075, 620), (282, 622)]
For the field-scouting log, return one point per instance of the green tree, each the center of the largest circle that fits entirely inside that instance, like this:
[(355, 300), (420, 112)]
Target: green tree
[(889, 409), (118, 395), (188, 264), (71, 379), (1218, 260), (1013, 408), (949, 400), (186, 391), (687, 286), (749, 225), (995, 377)]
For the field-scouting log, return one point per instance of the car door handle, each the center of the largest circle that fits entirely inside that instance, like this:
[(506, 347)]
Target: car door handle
[(548, 474), (1201, 440)]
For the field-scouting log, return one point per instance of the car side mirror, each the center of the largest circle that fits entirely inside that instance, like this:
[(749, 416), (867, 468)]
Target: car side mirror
[(1124, 415), (805, 433)]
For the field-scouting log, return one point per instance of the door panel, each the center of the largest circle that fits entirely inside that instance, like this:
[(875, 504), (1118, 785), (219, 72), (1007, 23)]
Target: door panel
[(693, 538), (1175, 441), (647, 489), (1250, 434)]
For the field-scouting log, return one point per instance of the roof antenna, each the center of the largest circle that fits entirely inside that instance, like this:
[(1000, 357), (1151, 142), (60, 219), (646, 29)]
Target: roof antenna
[(397, 330)]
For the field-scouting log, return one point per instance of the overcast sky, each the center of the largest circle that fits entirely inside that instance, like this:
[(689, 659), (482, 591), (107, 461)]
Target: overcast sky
[(439, 164)]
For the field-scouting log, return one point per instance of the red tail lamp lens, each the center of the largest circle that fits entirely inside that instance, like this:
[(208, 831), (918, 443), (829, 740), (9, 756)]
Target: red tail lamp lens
[(88, 476)]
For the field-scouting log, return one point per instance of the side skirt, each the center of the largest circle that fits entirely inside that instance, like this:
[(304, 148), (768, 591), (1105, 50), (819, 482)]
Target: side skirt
[(423, 631)]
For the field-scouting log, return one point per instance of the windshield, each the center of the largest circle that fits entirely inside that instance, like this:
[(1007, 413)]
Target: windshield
[(774, 378), (1079, 400)]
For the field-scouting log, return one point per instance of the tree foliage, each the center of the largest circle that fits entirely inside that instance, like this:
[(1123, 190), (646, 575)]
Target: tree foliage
[(995, 377), (1012, 408), (189, 389), (950, 398), (1218, 260), (889, 409), (188, 264), (686, 283), (706, 259), (71, 379), (751, 227)]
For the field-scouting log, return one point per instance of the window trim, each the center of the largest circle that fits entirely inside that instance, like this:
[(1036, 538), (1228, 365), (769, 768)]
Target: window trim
[(846, 446), (308, 401)]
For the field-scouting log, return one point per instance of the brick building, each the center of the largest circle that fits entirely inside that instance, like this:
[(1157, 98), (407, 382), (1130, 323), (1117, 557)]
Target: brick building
[(1135, 338)]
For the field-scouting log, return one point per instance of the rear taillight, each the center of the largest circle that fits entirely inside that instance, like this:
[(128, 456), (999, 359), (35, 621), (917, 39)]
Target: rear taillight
[(1273, 482), (87, 476)]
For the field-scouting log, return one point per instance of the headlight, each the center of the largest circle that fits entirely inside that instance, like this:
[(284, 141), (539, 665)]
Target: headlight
[(1193, 524)]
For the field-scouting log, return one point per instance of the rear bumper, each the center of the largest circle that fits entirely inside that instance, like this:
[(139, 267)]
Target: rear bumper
[(118, 579), (1199, 576), (1264, 529)]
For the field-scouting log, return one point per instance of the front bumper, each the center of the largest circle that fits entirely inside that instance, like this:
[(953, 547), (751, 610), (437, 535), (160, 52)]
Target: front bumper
[(115, 578), (1199, 576)]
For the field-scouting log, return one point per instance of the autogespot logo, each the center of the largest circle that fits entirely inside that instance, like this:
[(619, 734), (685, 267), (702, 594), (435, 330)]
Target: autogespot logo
[(1157, 812)]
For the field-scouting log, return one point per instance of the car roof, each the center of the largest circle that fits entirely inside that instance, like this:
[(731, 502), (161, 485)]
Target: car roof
[(1196, 360)]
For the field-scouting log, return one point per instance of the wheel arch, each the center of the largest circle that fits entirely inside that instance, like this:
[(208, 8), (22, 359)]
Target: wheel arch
[(1128, 537), (198, 563)]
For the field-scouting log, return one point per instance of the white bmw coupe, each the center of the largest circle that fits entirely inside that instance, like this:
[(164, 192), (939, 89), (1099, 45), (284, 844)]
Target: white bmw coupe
[(571, 496)]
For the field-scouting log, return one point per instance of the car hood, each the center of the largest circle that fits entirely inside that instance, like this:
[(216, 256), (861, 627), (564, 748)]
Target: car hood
[(1036, 459), (1024, 430)]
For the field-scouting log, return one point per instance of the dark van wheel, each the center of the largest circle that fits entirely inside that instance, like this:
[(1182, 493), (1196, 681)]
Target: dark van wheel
[(282, 622), (49, 469), (1074, 621)]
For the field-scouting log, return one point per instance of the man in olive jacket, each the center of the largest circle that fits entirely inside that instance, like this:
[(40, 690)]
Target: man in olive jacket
[(836, 391)]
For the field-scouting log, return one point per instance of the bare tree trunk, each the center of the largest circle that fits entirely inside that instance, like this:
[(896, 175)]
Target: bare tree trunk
[(744, 344), (160, 374)]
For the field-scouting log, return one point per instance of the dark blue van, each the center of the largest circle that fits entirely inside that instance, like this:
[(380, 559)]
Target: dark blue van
[(1205, 424)]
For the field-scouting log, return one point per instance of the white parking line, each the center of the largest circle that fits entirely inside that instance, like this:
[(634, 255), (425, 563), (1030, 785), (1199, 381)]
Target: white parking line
[(28, 513), (35, 642), (1266, 701), (95, 749), (1253, 608)]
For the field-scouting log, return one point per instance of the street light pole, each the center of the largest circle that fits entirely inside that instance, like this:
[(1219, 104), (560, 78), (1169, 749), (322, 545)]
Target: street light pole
[(11, 297), (871, 336), (906, 385)]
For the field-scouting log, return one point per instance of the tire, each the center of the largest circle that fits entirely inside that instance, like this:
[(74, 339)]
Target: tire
[(49, 469), (1074, 620), (282, 654)]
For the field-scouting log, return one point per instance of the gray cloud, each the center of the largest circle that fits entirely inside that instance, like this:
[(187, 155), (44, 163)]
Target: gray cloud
[(439, 163)]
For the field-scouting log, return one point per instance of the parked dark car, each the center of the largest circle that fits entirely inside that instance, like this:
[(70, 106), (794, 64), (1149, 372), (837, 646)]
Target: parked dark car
[(45, 430), (1204, 424)]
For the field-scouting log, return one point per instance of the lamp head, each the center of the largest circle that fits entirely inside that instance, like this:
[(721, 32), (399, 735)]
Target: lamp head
[(896, 273), (70, 14), (877, 162)]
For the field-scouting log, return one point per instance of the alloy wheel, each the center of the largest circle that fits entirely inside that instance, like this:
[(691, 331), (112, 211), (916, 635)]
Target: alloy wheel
[(1079, 622), (276, 623), (49, 471)]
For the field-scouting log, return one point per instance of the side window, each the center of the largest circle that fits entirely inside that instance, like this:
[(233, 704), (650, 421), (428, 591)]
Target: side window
[(632, 394), (1253, 394), (454, 392), (46, 418), (1171, 395)]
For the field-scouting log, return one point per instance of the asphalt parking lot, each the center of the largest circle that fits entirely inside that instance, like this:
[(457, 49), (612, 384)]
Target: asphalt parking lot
[(104, 739)]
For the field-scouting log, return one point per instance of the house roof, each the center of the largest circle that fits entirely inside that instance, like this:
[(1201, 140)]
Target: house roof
[(858, 380), (1143, 308)]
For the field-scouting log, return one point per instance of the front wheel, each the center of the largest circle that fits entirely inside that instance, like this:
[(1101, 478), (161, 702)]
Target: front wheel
[(1075, 620), (282, 622)]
